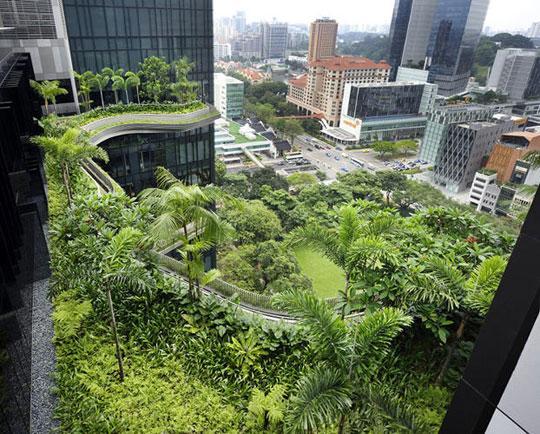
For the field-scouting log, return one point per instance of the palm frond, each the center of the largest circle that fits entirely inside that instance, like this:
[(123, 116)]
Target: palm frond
[(319, 399), (483, 284), (321, 239), (374, 334), (328, 334)]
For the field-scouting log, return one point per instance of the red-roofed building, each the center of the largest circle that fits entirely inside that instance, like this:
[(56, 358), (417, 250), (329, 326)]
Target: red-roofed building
[(254, 76), (320, 91)]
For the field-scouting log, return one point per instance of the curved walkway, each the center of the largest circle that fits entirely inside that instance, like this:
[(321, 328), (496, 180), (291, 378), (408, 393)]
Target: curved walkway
[(148, 123)]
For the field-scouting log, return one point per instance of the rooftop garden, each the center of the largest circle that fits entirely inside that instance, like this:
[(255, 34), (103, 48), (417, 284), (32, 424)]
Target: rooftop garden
[(146, 350), (234, 130)]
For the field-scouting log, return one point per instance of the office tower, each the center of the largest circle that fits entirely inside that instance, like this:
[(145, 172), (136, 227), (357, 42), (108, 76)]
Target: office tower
[(409, 33), (516, 73), (240, 22), (441, 117), (455, 33), (389, 111), (222, 51), (228, 96), (247, 46), (322, 39), (320, 91), (465, 149), (274, 40), (122, 34), (37, 27)]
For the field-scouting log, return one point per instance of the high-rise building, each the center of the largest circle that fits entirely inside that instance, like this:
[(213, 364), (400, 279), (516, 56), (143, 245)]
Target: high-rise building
[(123, 34), (222, 51), (240, 22), (516, 73), (465, 149), (440, 119), (228, 96), (455, 33), (38, 27), (439, 35), (322, 39), (389, 111), (409, 33), (274, 40), (247, 46), (320, 91)]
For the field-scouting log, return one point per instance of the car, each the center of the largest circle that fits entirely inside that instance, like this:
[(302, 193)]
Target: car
[(337, 158), (328, 154), (310, 149), (317, 147), (344, 169), (281, 163)]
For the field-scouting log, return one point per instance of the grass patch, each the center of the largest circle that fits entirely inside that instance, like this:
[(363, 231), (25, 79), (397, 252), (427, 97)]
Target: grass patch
[(234, 130), (327, 277)]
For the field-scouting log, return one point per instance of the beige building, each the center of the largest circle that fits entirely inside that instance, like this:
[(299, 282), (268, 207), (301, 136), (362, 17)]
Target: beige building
[(320, 91), (322, 39)]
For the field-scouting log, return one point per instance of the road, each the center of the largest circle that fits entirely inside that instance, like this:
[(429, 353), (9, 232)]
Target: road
[(329, 159)]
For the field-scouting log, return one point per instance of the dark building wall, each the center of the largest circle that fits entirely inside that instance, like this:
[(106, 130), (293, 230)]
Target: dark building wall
[(122, 33), (533, 89), (188, 155), (398, 33), (455, 34), (30, 19), (385, 101)]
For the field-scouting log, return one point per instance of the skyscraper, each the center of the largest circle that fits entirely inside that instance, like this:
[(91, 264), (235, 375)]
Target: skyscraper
[(455, 33), (410, 32), (516, 73), (439, 35), (240, 22), (121, 34), (274, 40), (322, 39)]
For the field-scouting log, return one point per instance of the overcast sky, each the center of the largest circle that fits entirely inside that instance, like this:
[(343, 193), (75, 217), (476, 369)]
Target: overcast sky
[(502, 14)]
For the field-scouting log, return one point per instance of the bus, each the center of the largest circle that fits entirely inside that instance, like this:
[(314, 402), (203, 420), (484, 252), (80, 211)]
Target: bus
[(293, 156), (356, 162)]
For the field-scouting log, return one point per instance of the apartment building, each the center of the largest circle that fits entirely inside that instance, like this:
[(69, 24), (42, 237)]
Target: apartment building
[(322, 39), (321, 90)]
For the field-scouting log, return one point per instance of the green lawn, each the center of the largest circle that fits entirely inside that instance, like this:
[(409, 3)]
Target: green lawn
[(234, 130), (327, 277)]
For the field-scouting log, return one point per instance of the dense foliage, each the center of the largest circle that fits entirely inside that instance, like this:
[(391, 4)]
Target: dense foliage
[(141, 350)]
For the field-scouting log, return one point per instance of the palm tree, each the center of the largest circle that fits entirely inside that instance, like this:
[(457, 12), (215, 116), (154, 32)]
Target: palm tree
[(356, 246), (440, 287), (184, 214), (119, 83), (120, 270), (48, 90), (100, 82), (85, 87), (111, 73), (69, 151), (346, 355), (133, 80), (182, 67)]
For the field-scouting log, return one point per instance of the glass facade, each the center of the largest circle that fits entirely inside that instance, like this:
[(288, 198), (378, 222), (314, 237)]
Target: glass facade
[(122, 33), (189, 155), (454, 36), (368, 102), (30, 19), (533, 88), (398, 33)]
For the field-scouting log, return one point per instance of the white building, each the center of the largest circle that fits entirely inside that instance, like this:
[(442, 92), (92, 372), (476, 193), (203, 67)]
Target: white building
[(228, 96), (485, 192), (412, 74), (222, 51)]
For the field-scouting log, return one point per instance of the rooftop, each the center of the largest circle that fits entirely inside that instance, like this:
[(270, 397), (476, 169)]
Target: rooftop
[(219, 76), (340, 63), (300, 81)]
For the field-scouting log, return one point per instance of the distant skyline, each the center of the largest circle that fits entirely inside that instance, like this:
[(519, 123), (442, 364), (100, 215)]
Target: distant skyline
[(502, 14)]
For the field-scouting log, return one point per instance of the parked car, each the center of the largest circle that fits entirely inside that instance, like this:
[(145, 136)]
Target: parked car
[(310, 149)]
